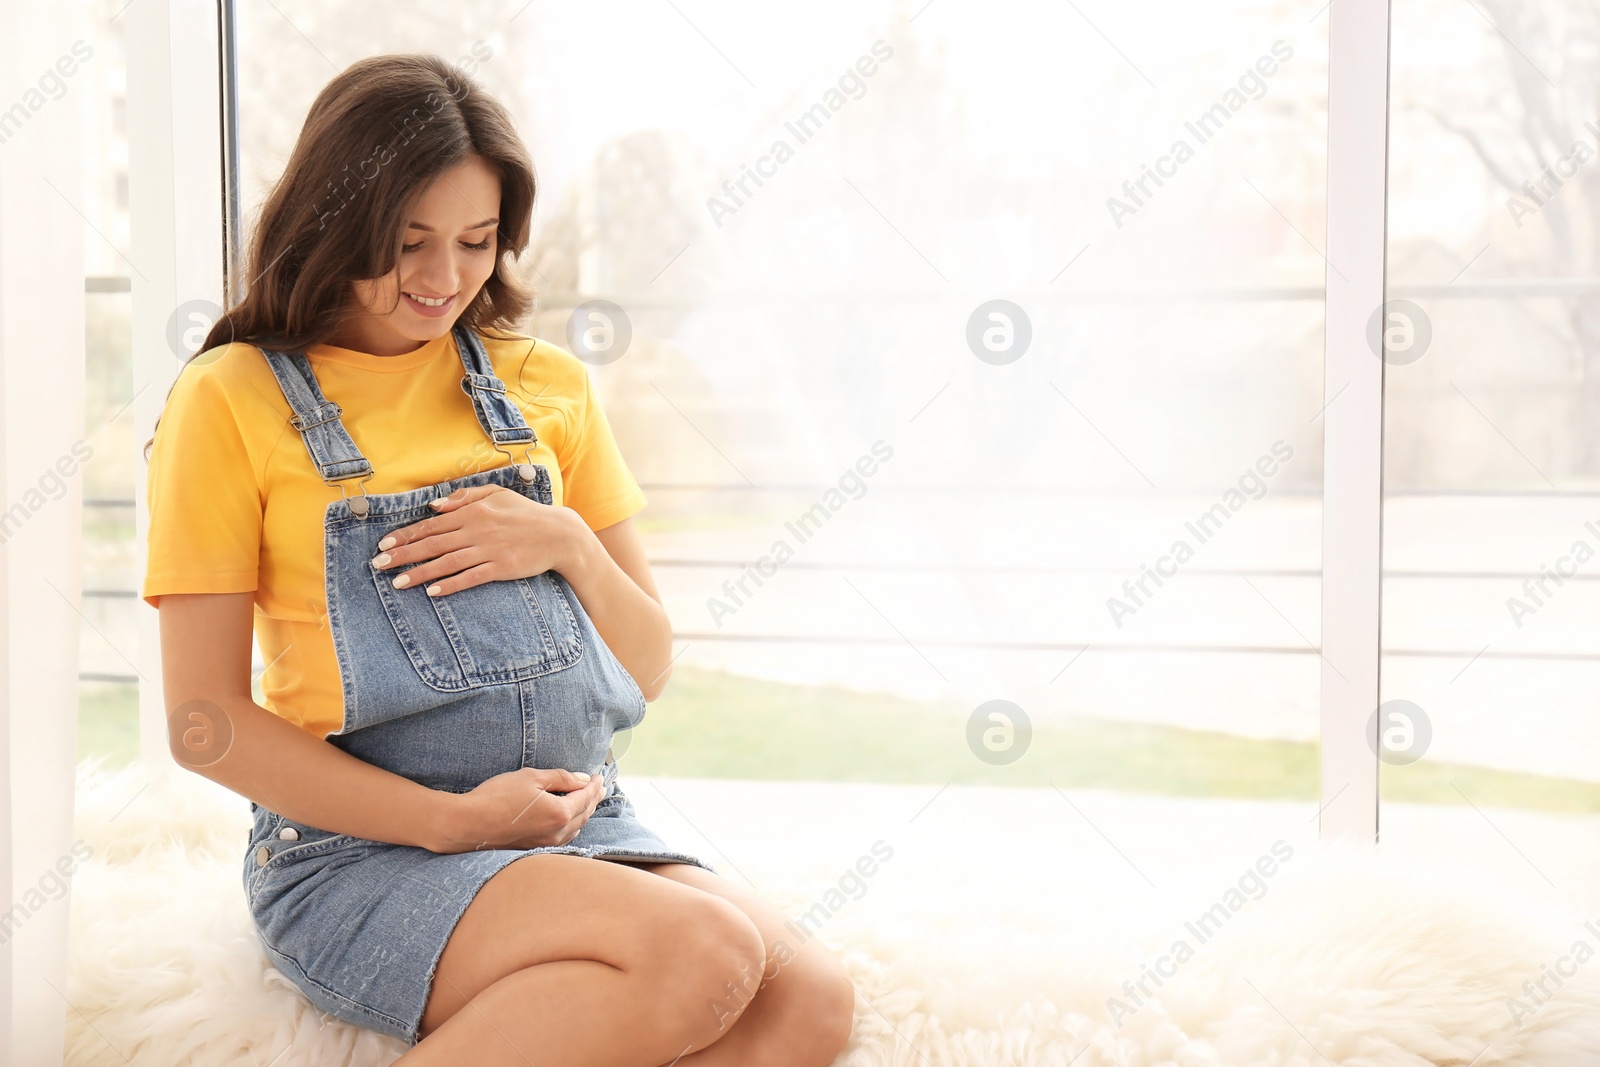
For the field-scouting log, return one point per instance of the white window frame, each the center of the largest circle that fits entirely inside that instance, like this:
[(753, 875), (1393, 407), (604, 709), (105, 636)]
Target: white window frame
[(1352, 474)]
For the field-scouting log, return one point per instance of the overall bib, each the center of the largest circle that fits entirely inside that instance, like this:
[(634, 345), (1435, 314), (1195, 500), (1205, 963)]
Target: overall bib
[(446, 691)]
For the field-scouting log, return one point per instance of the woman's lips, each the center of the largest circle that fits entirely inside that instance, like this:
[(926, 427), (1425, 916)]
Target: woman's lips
[(426, 310)]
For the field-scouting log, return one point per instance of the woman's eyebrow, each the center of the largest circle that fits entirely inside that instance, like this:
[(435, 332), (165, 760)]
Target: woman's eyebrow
[(429, 229)]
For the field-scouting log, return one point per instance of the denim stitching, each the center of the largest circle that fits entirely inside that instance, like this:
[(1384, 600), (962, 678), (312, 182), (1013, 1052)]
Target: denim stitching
[(437, 672), (284, 858), (395, 1025)]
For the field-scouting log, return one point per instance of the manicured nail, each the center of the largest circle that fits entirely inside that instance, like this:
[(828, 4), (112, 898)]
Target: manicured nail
[(436, 503), (435, 590), (401, 581), (381, 559), (580, 775), (387, 542)]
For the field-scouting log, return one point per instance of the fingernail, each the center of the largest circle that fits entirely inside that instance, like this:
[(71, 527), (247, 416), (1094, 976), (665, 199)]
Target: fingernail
[(402, 581), (436, 503), (387, 542), (580, 775), (435, 590), (381, 559)]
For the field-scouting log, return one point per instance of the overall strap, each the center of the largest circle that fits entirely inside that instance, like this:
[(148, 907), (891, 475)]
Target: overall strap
[(497, 414), (317, 418)]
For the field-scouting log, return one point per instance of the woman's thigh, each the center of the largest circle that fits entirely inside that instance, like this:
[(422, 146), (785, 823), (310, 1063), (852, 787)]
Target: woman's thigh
[(553, 906)]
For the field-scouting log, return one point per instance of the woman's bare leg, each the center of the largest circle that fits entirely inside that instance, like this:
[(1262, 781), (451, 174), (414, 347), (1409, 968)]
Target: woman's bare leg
[(798, 1013), (566, 959)]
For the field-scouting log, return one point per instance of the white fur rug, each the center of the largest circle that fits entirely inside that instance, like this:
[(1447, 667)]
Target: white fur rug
[(1005, 956)]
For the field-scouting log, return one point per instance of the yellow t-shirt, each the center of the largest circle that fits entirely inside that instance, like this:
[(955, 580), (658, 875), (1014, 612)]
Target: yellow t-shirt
[(237, 505)]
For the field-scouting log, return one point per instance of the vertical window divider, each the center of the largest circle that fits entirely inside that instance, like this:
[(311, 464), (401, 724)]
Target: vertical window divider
[(1353, 370), (228, 93)]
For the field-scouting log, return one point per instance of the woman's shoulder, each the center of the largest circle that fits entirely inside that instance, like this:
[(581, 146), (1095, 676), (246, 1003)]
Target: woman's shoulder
[(228, 369), (536, 367), (223, 404)]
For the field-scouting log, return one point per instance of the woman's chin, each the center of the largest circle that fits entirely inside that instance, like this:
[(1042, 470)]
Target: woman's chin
[(422, 330)]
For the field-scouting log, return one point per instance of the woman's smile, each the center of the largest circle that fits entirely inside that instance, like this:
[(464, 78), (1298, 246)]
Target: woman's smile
[(432, 307)]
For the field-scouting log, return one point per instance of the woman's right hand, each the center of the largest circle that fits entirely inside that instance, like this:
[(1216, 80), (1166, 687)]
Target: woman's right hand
[(524, 808)]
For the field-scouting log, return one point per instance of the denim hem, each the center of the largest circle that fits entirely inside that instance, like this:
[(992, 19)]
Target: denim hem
[(336, 1004), (413, 1034)]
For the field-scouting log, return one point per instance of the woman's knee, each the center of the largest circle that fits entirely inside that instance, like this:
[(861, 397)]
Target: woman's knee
[(816, 1002), (836, 1012), (707, 965)]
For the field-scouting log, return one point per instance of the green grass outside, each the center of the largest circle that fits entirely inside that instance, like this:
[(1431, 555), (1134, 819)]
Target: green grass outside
[(716, 725), (108, 722)]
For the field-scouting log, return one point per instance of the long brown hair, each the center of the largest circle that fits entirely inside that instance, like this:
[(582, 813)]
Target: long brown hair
[(376, 137)]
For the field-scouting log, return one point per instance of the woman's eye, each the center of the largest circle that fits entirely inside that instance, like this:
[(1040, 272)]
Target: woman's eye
[(482, 246)]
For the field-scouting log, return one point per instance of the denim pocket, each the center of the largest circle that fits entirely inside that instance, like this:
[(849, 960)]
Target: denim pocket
[(488, 634)]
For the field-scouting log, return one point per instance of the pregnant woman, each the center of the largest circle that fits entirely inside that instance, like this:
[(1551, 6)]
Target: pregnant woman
[(425, 520)]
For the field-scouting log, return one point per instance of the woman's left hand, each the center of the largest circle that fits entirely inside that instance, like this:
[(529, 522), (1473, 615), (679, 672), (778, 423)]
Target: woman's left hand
[(483, 533)]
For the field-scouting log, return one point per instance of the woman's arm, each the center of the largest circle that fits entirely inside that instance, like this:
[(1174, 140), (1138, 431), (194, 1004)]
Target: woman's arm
[(608, 570), (216, 729)]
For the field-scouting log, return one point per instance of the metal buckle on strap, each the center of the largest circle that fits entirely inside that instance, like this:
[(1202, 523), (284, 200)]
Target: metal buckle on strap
[(488, 383), (320, 414), (513, 435), (526, 472), (472, 383), (360, 506)]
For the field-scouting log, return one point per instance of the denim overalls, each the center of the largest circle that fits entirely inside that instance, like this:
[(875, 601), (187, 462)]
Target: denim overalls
[(446, 691)]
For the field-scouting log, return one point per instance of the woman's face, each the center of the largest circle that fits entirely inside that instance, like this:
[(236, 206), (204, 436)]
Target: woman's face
[(449, 252)]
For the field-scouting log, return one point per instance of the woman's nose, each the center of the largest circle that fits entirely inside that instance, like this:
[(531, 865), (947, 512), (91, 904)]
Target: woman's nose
[(441, 274)]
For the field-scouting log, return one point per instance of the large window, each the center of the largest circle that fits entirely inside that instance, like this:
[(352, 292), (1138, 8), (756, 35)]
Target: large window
[(972, 362), (980, 448), (1492, 460)]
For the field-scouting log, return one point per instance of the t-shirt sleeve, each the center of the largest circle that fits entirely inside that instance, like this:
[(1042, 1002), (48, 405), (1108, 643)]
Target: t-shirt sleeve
[(203, 494), (596, 481)]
